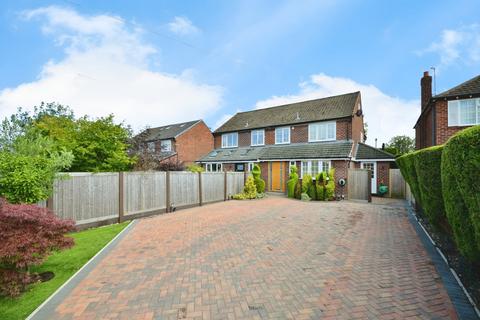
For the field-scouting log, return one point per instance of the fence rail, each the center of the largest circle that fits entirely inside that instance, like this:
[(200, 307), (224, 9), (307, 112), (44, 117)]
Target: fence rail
[(102, 198)]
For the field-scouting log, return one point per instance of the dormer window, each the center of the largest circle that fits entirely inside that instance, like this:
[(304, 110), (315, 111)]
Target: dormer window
[(282, 135), (323, 131), (258, 137), (166, 145), (230, 140)]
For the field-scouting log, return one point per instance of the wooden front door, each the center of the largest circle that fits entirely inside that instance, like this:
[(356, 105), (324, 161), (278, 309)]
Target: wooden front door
[(277, 173)]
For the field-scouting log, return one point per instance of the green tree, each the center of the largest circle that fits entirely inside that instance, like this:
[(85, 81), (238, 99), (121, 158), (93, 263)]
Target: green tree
[(400, 145)]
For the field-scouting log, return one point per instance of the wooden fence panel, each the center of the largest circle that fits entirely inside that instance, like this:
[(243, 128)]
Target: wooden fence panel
[(359, 184), (184, 189), (235, 183), (144, 191), (86, 197), (212, 186), (396, 184)]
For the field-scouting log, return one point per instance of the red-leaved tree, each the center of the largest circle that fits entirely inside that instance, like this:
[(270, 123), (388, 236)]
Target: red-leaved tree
[(28, 234)]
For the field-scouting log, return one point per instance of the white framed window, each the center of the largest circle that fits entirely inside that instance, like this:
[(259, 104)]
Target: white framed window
[(282, 135), (213, 167), (314, 167), (464, 112), (151, 147), (323, 131), (166, 145), (258, 137), (291, 164), (250, 166), (230, 140)]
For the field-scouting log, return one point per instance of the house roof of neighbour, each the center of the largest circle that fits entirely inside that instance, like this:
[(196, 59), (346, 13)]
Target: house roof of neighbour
[(320, 150), (167, 132), (334, 107), (469, 87), (364, 151)]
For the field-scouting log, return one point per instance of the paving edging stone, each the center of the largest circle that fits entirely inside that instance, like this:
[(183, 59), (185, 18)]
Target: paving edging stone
[(43, 310), (463, 303)]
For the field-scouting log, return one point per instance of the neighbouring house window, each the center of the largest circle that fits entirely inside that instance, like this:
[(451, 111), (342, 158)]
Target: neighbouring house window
[(166, 145), (290, 165), (258, 137), (250, 166), (464, 112), (151, 147), (230, 140), (282, 135), (213, 167), (324, 131), (314, 167), (239, 167)]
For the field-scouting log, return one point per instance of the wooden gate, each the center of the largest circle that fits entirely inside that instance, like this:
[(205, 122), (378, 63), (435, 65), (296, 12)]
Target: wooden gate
[(359, 184), (397, 185)]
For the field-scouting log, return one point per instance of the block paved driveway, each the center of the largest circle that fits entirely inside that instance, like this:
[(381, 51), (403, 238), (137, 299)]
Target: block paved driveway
[(273, 258)]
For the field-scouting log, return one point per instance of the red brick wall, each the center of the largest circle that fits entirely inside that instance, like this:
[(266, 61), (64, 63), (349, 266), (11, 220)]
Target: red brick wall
[(444, 132), (299, 133), (341, 171), (217, 141), (357, 124), (383, 173), (344, 128), (194, 143), (244, 139)]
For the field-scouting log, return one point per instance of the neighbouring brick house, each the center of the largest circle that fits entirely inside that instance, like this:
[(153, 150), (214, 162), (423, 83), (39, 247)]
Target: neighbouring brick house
[(446, 113), (180, 143), (314, 135)]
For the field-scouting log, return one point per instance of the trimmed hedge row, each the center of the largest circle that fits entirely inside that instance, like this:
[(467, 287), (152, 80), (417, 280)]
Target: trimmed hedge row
[(445, 181)]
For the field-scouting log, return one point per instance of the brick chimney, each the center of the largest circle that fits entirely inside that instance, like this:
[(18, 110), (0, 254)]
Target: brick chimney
[(426, 89)]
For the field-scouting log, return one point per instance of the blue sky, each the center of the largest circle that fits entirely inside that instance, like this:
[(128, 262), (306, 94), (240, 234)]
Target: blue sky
[(158, 62)]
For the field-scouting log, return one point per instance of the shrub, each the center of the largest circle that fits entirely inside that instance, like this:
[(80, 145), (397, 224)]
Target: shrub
[(292, 182), (28, 234), (249, 190), (325, 185), (259, 182), (298, 190), (406, 163), (305, 197), (308, 186), (427, 164), (195, 168), (461, 190)]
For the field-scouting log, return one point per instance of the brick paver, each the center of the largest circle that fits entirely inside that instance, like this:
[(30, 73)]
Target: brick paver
[(273, 258)]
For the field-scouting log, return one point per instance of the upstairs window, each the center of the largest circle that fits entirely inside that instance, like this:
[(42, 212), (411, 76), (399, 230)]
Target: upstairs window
[(166, 145), (230, 140), (282, 135), (325, 131), (258, 137), (464, 112)]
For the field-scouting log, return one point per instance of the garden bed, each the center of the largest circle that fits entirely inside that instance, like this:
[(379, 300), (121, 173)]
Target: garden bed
[(63, 264)]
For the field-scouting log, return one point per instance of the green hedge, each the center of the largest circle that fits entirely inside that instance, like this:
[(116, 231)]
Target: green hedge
[(427, 164), (406, 163), (461, 189), (292, 182)]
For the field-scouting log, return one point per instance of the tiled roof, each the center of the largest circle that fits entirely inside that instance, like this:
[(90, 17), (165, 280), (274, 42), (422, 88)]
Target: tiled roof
[(306, 111), (469, 87), (364, 151), (320, 150), (166, 132)]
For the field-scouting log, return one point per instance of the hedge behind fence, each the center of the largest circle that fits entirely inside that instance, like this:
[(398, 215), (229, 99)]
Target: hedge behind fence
[(461, 189), (445, 181)]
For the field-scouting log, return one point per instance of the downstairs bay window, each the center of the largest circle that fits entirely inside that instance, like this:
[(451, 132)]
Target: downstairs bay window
[(314, 167)]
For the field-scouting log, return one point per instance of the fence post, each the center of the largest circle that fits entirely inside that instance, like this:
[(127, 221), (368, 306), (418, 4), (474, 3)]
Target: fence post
[(200, 200), (225, 186), (369, 186), (121, 204), (167, 190)]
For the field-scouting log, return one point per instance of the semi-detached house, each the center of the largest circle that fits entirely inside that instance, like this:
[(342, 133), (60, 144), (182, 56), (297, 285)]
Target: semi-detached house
[(314, 135)]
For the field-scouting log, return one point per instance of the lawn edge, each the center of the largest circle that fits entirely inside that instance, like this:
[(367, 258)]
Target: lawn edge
[(82, 272), (461, 300)]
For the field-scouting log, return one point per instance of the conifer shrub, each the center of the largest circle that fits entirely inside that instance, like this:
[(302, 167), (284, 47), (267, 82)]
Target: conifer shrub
[(292, 182)]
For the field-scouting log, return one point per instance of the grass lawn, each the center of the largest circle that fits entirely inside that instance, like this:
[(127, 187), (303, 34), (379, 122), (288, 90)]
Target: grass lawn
[(64, 264)]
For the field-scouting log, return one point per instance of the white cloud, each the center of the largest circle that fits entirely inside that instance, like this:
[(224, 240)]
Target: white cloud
[(460, 45), (386, 116), (106, 70), (182, 26)]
